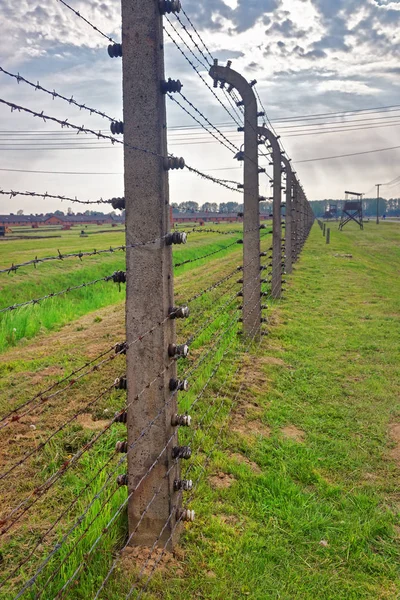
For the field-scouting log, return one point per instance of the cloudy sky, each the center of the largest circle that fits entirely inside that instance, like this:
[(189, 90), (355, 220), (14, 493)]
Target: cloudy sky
[(308, 56)]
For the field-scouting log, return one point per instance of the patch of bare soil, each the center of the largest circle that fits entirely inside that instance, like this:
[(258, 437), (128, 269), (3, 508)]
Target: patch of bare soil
[(230, 520), (272, 360), (36, 378), (293, 433), (142, 562), (83, 334), (246, 461), (394, 432), (86, 420), (249, 428), (221, 480)]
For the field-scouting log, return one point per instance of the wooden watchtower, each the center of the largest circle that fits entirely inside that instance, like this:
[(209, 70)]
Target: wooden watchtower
[(352, 210)]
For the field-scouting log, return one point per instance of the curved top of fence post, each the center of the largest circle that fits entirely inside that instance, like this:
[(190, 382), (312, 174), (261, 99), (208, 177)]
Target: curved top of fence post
[(234, 79), (287, 166), (271, 137)]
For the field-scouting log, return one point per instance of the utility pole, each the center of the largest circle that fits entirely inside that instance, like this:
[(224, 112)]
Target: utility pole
[(378, 185), (251, 220), (149, 276)]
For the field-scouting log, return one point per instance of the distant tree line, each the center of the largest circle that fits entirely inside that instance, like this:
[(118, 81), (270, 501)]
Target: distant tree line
[(390, 207)]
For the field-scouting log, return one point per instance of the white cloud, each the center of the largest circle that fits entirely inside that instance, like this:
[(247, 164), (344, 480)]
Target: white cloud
[(308, 56)]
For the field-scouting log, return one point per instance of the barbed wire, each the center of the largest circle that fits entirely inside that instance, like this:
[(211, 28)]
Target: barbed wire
[(204, 387), (191, 260), (53, 385), (220, 141), (178, 521), (192, 65), (113, 140), (199, 362), (56, 294), (214, 180), (35, 261), (78, 14), (55, 94), (39, 491), (224, 333), (192, 39), (13, 193)]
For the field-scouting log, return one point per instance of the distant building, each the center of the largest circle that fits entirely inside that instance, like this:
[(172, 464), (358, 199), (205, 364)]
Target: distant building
[(62, 220)]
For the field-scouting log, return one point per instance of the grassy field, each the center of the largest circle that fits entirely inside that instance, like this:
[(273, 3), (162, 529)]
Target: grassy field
[(30, 283), (300, 498)]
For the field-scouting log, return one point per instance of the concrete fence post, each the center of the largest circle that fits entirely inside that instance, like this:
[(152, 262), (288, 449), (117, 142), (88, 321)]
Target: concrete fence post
[(251, 221), (288, 213), (149, 276), (276, 284)]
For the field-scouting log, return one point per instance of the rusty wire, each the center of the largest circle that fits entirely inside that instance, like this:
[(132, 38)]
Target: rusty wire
[(55, 94)]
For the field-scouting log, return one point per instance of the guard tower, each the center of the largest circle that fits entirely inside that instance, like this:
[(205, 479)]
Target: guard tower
[(352, 210), (331, 212)]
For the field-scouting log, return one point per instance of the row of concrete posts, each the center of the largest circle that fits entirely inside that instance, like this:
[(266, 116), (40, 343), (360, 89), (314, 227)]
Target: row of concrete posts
[(156, 492)]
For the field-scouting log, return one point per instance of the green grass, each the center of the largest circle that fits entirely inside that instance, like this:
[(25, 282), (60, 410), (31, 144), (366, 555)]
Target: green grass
[(30, 283), (329, 367)]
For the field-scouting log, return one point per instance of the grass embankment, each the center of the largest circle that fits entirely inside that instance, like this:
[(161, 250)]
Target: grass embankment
[(30, 283)]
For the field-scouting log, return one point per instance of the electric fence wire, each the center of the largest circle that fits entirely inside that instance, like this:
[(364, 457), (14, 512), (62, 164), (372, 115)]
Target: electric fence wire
[(231, 147), (60, 256), (178, 521), (38, 492), (58, 545), (55, 94), (53, 385), (45, 196), (191, 260), (113, 140), (105, 530), (56, 294), (199, 362), (198, 397), (193, 66), (78, 14)]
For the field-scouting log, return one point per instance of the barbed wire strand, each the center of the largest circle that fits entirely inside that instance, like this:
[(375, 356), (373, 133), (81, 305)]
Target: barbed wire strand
[(55, 94), (56, 294), (198, 397), (130, 495), (156, 562), (60, 256), (78, 14), (113, 140)]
